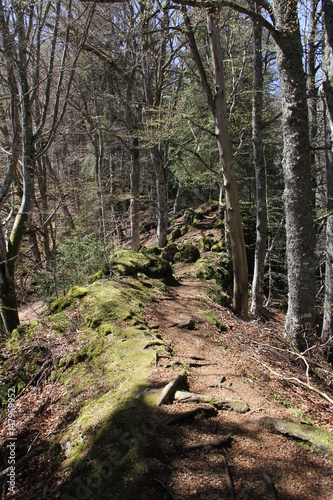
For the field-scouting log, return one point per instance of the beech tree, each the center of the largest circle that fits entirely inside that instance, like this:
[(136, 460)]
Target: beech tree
[(284, 28), (216, 100), (327, 329), (260, 171), (23, 27)]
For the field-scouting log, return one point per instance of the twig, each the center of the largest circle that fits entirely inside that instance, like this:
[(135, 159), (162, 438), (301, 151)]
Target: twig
[(270, 486), (164, 487), (295, 381), (23, 460), (40, 371), (229, 479), (207, 410), (170, 389), (217, 443)]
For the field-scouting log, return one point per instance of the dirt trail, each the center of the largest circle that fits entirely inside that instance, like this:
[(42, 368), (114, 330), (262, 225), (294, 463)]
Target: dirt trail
[(259, 463)]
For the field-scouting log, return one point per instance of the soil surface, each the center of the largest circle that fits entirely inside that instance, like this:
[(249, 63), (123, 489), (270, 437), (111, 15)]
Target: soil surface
[(235, 360), (257, 462)]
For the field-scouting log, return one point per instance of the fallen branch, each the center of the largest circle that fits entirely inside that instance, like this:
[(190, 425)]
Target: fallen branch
[(217, 443), (296, 381), (207, 410), (23, 460), (165, 488), (230, 404), (321, 439), (270, 485), (169, 390), (38, 374), (153, 343), (229, 479)]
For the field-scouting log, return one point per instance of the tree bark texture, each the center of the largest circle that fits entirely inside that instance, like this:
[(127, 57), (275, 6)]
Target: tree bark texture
[(312, 93), (135, 192), (162, 197), (260, 173), (327, 329), (233, 215), (8, 300), (297, 175)]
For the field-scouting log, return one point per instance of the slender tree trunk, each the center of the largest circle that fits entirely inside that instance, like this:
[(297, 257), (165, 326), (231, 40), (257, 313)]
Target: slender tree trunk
[(297, 175), (217, 103), (162, 197), (312, 93), (260, 174), (8, 299), (135, 193), (327, 329), (178, 199), (240, 271)]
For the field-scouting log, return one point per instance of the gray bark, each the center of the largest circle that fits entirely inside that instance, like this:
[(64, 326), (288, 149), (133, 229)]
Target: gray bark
[(217, 105), (297, 175), (135, 193), (260, 173), (162, 197), (240, 271), (8, 300), (178, 199), (312, 93), (327, 329)]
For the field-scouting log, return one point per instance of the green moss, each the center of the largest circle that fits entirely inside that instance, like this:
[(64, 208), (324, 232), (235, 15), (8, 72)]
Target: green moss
[(218, 247), (320, 440), (101, 274), (129, 263), (206, 243), (214, 292), (217, 267), (61, 303), (187, 253), (212, 320), (175, 234), (78, 292), (154, 250), (61, 326)]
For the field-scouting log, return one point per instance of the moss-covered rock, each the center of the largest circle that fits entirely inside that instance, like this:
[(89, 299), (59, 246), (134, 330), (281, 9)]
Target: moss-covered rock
[(216, 294), (216, 266), (77, 292), (206, 243), (153, 250), (212, 320), (129, 263), (61, 303), (175, 234), (169, 252), (187, 253), (218, 247), (189, 215)]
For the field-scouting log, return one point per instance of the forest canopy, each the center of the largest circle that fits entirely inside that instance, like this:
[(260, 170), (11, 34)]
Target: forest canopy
[(115, 117)]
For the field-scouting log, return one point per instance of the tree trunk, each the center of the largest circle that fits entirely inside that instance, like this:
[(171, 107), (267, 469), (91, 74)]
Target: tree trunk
[(327, 329), (260, 174), (162, 197), (312, 93), (178, 199), (217, 104), (8, 299), (135, 192), (297, 175), (219, 109)]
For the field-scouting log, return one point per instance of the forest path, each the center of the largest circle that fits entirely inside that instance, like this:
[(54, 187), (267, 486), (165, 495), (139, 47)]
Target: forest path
[(256, 459)]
